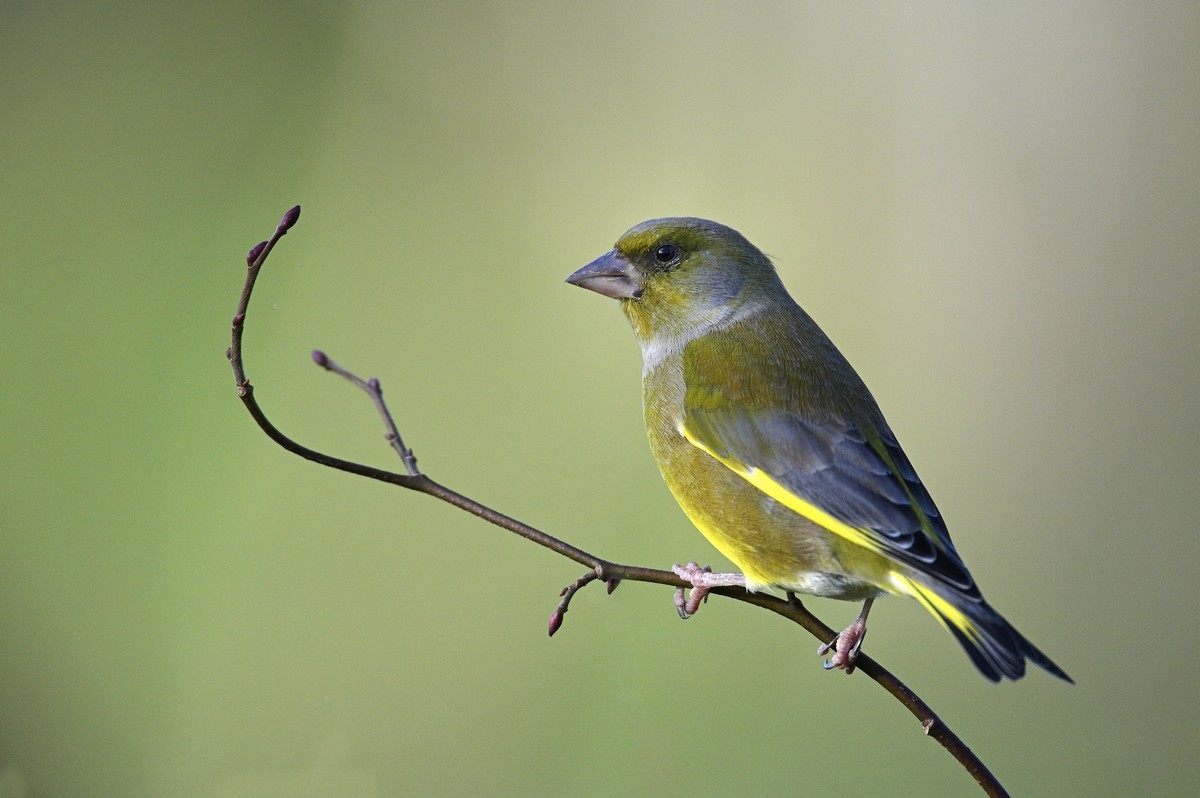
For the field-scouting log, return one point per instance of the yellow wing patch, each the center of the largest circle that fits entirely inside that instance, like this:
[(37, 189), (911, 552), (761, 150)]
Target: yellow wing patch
[(770, 486), (938, 607)]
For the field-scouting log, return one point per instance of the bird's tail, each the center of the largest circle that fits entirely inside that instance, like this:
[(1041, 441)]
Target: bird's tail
[(997, 649)]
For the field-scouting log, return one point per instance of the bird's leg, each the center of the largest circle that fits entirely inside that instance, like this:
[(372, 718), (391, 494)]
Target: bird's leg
[(702, 580), (846, 645)]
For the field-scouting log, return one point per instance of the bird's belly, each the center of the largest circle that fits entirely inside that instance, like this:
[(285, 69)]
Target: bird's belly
[(831, 585)]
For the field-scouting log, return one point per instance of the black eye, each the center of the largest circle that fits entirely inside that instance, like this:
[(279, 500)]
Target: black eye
[(666, 253)]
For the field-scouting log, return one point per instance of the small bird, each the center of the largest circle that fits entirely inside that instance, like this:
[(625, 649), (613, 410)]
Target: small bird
[(776, 450)]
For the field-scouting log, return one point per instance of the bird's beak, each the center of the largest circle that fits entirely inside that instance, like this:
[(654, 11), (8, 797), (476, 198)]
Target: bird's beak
[(610, 275)]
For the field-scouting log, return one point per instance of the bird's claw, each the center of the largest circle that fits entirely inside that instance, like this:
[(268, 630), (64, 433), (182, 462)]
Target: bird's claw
[(685, 605), (845, 647), (703, 580)]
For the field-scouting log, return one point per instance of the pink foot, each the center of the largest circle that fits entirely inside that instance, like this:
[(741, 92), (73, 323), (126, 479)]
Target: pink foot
[(703, 580), (846, 645)]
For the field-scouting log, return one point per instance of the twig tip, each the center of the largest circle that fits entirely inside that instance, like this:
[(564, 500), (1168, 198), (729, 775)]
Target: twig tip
[(320, 358), (556, 621)]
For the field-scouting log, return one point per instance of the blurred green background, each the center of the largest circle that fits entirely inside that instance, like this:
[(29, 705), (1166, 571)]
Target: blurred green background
[(994, 210)]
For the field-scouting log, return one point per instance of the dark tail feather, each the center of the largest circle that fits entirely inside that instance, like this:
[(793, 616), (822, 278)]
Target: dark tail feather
[(997, 649)]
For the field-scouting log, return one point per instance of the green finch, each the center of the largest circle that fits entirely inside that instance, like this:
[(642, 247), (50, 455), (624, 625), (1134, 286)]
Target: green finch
[(776, 450)]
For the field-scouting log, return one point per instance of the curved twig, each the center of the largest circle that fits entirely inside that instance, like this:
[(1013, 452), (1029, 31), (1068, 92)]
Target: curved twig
[(598, 569)]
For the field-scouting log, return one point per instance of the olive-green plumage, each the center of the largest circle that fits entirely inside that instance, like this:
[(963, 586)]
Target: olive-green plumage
[(772, 444)]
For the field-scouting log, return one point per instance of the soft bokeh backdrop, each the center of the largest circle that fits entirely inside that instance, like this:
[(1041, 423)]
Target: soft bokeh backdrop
[(993, 209)]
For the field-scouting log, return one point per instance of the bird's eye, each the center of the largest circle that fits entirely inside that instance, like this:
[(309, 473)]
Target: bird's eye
[(666, 253)]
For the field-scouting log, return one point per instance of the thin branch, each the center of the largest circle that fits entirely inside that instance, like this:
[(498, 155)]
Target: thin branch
[(373, 389), (598, 569)]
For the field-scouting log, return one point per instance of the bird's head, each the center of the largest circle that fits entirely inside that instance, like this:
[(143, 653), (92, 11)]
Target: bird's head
[(677, 276)]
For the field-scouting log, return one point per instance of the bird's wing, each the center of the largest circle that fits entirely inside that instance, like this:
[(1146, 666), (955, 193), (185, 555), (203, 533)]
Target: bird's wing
[(857, 485)]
